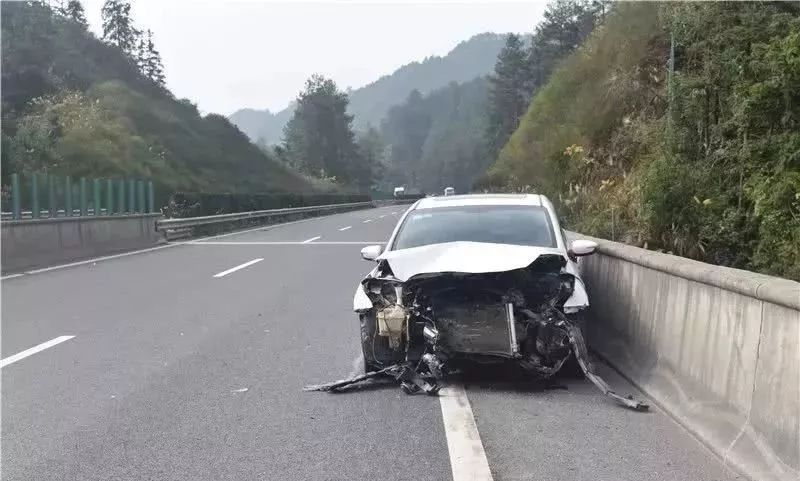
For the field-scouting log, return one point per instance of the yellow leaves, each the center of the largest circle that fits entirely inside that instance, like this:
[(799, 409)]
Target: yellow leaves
[(605, 183), (704, 203), (573, 150)]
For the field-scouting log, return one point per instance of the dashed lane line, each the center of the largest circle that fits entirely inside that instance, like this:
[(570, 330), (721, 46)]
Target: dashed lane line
[(308, 241), (467, 458), (240, 266), (28, 352), (345, 228)]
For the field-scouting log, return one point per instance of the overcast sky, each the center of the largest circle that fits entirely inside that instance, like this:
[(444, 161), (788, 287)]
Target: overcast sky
[(229, 54)]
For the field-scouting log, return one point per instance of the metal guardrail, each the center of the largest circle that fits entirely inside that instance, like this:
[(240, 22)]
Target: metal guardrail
[(171, 224)]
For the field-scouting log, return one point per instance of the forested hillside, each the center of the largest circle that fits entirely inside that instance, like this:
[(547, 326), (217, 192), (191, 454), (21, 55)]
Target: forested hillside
[(436, 140), (369, 104), (676, 126), (75, 104)]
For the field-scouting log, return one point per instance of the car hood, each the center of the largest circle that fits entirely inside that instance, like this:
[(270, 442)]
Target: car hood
[(464, 257)]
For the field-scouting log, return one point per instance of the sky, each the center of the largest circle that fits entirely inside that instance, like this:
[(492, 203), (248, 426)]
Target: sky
[(229, 54)]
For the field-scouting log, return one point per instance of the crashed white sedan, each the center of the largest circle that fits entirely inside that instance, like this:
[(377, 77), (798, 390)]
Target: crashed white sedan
[(486, 278)]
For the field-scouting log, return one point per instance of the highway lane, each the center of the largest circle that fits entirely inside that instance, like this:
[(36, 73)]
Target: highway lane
[(176, 374)]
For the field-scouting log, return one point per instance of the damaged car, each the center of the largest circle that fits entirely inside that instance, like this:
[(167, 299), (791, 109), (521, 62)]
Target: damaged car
[(473, 279)]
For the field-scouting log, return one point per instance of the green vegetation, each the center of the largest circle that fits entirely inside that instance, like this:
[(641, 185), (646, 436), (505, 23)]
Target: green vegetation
[(370, 104), (704, 162), (319, 139), (75, 105), (521, 70), (436, 140)]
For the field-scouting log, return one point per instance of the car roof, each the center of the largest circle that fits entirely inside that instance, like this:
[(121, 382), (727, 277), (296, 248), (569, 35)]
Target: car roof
[(480, 199)]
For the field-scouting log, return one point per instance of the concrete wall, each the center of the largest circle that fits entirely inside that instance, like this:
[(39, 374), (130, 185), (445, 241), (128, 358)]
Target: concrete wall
[(30, 244), (717, 348)]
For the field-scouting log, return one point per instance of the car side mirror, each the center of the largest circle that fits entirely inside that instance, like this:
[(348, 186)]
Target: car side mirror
[(370, 253), (582, 247)]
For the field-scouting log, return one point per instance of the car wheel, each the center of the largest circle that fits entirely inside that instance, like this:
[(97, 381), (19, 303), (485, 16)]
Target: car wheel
[(368, 326)]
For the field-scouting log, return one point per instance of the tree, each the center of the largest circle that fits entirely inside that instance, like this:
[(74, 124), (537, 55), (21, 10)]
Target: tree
[(508, 93), (406, 127), (319, 138), (371, 150), (565, 26), (118, 26), (148, 59), (74, 10)]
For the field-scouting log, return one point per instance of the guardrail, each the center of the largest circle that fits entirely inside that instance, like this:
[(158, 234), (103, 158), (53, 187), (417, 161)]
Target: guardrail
[(174, 229), (181, 228)]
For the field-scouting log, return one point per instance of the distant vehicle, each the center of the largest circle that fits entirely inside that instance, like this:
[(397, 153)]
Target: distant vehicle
[(399, 191), (449, 191)]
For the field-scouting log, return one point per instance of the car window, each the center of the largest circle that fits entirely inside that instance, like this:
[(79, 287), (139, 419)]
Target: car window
[(500, 224)]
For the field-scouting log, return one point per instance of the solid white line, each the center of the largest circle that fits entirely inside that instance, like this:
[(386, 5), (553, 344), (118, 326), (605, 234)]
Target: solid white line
[(307, 241), (11, 276), (104, 258), (241, 266), (27, 352), (345, 228), (282, 243), (368, 220), (467, 457)]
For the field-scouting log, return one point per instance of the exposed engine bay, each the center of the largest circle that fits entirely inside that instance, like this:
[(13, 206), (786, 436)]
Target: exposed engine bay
[(421, 329)]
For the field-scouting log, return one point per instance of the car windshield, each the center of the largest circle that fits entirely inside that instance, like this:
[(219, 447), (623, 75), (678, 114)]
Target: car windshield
[(499, 224)]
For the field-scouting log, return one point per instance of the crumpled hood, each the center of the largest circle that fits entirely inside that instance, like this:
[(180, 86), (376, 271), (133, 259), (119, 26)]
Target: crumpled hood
[(465, 257)]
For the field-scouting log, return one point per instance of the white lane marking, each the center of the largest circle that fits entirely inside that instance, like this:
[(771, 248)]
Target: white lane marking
[(345, 228), (11, 276), (240, 266), (28, 352), (467, 457), (382, 216), (368, 220), (307, 241), (282, 243), (100, 259), (394, 213)]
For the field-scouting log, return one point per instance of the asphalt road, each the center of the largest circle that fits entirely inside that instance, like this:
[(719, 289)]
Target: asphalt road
[(175, 374)]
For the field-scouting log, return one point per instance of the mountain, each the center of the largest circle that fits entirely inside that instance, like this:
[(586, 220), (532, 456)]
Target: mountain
[(369, 104), (262, 126), (74, 105)]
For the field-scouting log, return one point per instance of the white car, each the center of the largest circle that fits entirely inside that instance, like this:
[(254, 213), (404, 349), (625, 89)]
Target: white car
[(466, 278)]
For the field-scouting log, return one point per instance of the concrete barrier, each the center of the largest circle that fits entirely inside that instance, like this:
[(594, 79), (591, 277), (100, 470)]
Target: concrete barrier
[(717, 348), (30, 244)]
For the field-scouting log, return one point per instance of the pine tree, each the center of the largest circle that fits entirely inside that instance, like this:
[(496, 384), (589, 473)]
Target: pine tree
[(566, 25), (508, 93), (154, 68), (141, 56), (74, 10), (118, 26)]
